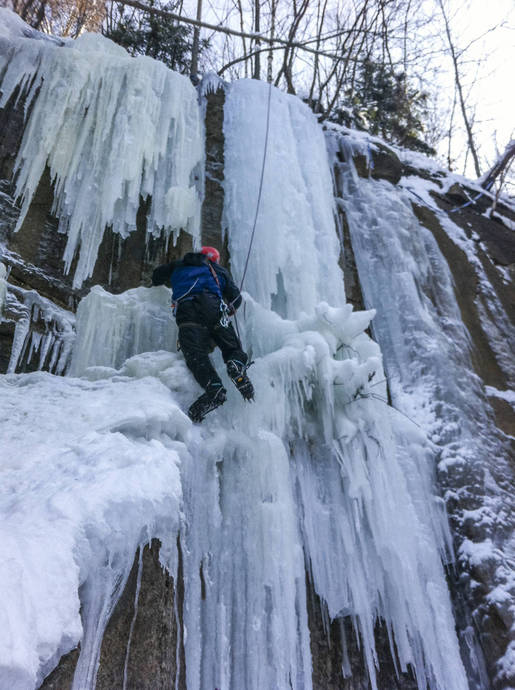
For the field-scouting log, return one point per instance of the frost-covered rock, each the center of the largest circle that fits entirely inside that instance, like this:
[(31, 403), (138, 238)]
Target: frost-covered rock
[(44, 333)]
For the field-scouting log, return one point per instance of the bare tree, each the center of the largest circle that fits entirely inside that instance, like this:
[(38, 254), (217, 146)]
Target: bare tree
[(257, 28), (61, 17), (459, 88), (500, 168), (320, 19), (196, 42)]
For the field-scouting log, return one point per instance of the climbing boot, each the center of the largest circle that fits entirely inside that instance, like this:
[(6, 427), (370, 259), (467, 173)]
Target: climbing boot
[(214, 396), (238, 374)]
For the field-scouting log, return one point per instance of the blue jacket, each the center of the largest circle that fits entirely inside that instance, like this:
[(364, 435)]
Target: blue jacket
[(192, 275)]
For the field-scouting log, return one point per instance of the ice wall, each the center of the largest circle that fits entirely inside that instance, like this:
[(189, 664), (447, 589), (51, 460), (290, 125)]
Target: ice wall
[(112, 328), (318, 474), (111, 130), (295, 251), (427, 348), (365, 465)]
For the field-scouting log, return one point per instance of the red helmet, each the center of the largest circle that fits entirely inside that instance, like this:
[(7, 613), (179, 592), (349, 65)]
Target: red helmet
[(211, 253)]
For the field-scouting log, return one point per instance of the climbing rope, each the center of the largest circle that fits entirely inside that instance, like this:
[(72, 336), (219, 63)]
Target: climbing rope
[(457, 208), (263, 164), (269, 77), (363, 396)]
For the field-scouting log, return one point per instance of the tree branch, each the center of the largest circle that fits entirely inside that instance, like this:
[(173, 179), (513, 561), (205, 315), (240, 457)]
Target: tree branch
[(226, 29)]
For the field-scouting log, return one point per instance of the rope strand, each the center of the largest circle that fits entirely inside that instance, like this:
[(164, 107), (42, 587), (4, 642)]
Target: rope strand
[(262, 177)]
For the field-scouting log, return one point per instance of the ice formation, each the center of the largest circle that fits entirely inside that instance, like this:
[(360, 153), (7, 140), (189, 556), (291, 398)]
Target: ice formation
[(296, 247), (78, 497), (112, 328), (111, 130), (319, 473), (423, 338), (3, 287), (43, 331), (295, 250)]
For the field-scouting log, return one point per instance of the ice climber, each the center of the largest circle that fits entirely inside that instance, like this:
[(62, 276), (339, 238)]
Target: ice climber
[(204, 295)]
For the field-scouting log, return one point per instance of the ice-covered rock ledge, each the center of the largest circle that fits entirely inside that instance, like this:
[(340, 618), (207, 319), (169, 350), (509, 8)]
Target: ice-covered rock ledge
[(90, 472)]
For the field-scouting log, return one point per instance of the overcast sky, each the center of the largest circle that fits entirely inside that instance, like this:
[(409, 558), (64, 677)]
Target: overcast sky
[(493, 92), (495, 87)]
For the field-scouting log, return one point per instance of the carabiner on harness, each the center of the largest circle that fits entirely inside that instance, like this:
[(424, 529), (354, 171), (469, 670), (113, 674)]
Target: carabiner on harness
[(224, 314)]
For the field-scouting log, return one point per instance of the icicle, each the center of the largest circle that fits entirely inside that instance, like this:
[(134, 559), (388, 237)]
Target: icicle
[(19, 343), (112, 129), (3, 287), (53, 344), (99, 596)]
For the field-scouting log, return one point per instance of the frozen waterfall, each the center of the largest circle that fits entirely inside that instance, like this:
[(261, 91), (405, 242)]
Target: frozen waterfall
[(319, 475), (111, 130), (428, 347)]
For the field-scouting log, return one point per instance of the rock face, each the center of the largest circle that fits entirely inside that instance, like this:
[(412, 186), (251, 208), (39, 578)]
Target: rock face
[(143, 644), (493, 618), (381, 164), (213, 206)]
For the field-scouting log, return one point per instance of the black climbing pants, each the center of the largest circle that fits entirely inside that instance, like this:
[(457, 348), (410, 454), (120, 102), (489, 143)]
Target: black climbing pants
[(198, 319)]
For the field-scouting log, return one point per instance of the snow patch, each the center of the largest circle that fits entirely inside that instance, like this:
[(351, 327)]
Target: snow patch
[(83, 487), (507, 395)]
